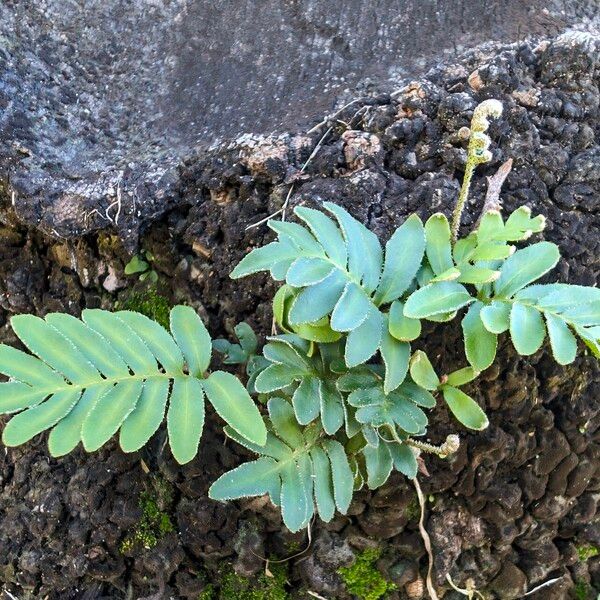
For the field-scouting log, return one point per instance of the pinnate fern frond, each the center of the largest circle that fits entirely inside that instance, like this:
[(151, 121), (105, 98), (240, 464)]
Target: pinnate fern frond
[(339, 273), (88, 379)]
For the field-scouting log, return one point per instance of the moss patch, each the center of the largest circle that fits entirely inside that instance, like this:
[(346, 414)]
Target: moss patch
[(149, 303), (587, 551), (363, 579), (235, 587), (584, 591), (154, 523)]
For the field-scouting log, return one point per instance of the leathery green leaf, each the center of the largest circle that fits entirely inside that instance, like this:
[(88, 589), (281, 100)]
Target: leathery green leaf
[(123, 339), (284, 422), (562, 340), (147, 416), (364, 341), (316, 301), (27, 369), (401, 327), (294, 501), (404, 460), (308, 271), (437, 299), (109, 412), (332, 410), (192, 338), (234, 405), (351, 309), (52, 347), (464, 408), (306, 400), (379, 465), (396, 356), (480, 344), (422, 371), (90, 343), (525, 266), (462, 376), (323, 484), (496, 316), (262, 259), (326, 232), (403, 257), (526, 329), (16, 396), (158, 340), (66, 434), (26, 425), (438, 247), (343, 480), (297, 235), (365, 255), (254, 478), (185, 418)]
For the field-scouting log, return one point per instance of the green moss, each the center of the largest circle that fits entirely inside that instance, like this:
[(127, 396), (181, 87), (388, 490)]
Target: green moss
[(363, 579), (413, 510), (154, 523), (587, 551), (583, 591), (149, 303), (208, 593), (234, 587)]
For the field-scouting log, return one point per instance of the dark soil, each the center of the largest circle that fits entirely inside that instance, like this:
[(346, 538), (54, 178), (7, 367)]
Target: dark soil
[(515, 508)]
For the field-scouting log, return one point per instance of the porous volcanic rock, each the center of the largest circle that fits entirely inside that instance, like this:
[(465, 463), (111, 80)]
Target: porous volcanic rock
[(515, 504)]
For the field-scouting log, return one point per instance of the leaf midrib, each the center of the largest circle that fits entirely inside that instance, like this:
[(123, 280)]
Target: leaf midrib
[(512, 301), (109, 381)]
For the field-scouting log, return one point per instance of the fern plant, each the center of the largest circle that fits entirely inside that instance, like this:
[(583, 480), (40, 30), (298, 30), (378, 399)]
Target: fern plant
[(343, 368), (346, 395), (112, 372)]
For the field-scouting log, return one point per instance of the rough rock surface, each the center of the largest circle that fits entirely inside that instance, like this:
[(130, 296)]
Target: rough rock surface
[(100, 100), (511, 510)]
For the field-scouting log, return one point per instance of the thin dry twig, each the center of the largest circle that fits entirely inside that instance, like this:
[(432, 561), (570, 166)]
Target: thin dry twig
[(492, 197), (542, 586), (469, 590), (333, 116), (426, 540), (284, 560), (286, 202)]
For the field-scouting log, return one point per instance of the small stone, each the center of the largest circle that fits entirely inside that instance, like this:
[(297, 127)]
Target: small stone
[(474, 80), (510, 583), (112, 281)]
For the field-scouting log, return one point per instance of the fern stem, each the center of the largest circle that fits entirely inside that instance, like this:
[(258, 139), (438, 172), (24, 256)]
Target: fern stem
[(462, 198)]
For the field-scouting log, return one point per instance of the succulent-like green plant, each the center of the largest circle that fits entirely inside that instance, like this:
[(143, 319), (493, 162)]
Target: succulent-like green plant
[(114, 372), (346, 395)]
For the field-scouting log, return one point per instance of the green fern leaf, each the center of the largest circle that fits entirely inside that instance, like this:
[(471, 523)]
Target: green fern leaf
[(437, 299), (480, 343), (32, 421), (192, 337), (365, 255), (526, 328), (379, 465), (403, 257), (438, 248), (114, 371), (524, 267), (327, 234), (464, 408)]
